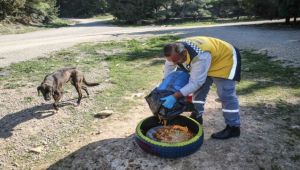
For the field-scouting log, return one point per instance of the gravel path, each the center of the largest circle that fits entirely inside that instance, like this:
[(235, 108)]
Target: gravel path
[(280, 43)]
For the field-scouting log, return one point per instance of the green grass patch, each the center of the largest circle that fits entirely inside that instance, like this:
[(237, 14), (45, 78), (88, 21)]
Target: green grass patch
[(33, 71), (13, 85), (27, 99), (264, 80), (259, 67), (295, 158), (135, 67), (271, 90)]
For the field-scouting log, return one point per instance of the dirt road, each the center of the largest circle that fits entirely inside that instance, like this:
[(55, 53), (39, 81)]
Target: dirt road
[(282, 43)]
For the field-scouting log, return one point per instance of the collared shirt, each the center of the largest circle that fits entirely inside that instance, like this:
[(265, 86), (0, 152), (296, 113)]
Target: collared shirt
[(199, 67)]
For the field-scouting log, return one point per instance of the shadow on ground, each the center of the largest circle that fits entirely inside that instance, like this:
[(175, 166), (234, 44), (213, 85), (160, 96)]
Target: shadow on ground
[(115, 153), (9, 121)]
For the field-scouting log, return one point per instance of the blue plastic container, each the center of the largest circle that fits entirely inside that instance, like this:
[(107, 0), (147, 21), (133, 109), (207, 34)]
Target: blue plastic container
[(174, 81)]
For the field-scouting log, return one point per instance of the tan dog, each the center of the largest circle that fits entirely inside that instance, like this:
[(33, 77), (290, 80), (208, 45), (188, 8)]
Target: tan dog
[(53, 84)]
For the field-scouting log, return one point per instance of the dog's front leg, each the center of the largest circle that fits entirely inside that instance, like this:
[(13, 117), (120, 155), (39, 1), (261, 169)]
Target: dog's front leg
[(56, 96), (55, 105)]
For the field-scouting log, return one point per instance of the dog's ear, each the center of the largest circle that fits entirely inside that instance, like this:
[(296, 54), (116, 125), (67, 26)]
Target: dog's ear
[(38, 90)]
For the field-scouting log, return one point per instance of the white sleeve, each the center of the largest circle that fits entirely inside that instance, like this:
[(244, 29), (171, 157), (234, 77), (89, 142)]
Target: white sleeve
[(198, 74), (168, 68)]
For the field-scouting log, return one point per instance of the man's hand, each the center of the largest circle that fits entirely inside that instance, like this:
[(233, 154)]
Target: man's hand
[(169, 101)]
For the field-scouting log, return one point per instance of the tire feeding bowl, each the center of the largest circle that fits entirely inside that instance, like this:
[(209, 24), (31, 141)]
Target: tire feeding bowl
[(169, 150)]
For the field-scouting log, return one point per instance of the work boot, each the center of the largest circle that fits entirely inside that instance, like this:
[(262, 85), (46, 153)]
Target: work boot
[(228, 132), (197, 117)]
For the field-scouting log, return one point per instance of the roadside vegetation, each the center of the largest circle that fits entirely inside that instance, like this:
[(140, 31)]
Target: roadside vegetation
[(186, 22), (103, 16), (141, 12), (7, 27), (135, 66)]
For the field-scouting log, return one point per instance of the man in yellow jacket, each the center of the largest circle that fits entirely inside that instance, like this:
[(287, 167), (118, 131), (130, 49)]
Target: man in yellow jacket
[(208, 60)]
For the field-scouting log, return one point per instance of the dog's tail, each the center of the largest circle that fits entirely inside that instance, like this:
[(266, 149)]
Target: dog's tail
[(89, 84)]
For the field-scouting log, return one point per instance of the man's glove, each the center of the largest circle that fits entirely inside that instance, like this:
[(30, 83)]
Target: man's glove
[(169, 101)]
